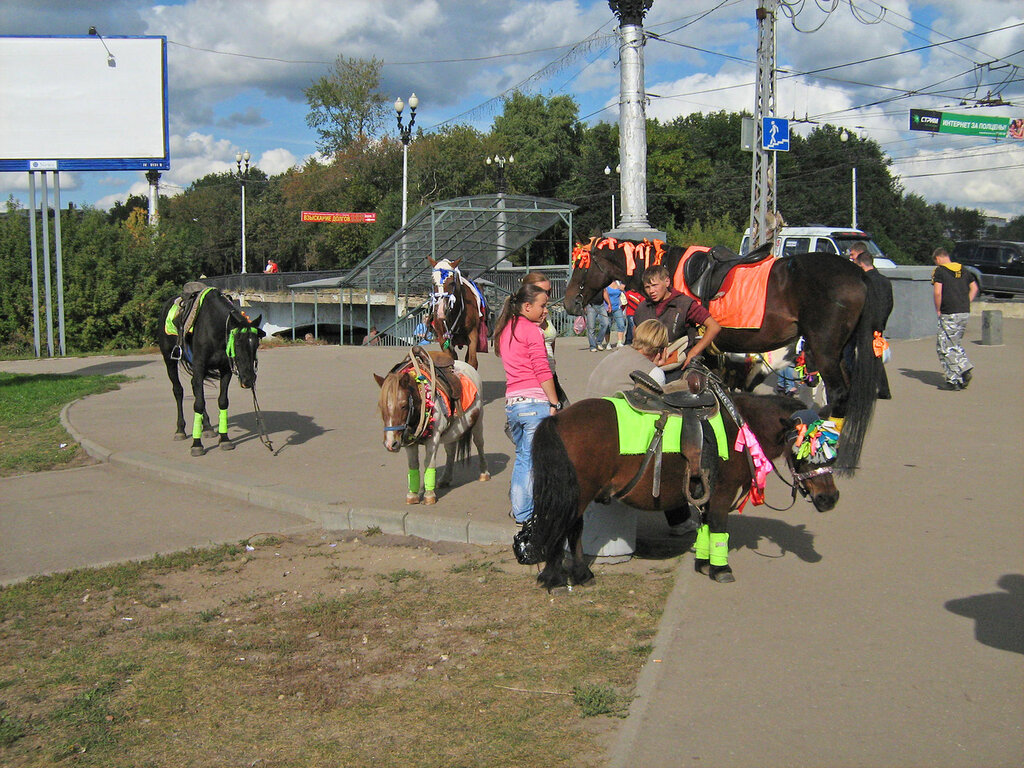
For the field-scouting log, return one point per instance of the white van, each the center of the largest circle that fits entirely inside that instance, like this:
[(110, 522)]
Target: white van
[(819, 239)]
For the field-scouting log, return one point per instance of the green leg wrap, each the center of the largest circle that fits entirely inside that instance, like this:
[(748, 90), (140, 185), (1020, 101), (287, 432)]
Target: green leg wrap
[(197, 426), (414, 481), (223, 423), (701, 547), (719, 549), (428, 478)]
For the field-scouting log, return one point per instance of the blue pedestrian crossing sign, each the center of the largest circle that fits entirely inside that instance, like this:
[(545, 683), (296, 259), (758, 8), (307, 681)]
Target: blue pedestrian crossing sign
[(775, 133)]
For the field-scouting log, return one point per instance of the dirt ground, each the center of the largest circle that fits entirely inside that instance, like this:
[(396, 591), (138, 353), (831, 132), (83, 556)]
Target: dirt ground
[(353, 648)]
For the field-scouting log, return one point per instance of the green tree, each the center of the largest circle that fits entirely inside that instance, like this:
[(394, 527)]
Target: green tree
[(346, 105)]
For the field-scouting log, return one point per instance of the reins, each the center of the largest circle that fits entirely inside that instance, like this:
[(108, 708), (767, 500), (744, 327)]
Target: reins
[(229, 349), (426, 384)]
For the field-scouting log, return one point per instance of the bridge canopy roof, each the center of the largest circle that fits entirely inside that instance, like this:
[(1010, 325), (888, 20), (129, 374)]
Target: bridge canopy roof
[(482, 231)]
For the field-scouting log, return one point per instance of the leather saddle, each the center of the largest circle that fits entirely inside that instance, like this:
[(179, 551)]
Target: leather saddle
[(705, 271), (694, 404), (447, 379)]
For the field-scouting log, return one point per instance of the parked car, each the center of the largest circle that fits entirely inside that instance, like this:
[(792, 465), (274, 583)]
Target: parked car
[(819, 239), (997, 264)]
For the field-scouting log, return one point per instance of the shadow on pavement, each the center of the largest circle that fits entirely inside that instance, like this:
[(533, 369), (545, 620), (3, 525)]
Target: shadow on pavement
[(747, 531), (998, 616), (109, 367), (932, 378)]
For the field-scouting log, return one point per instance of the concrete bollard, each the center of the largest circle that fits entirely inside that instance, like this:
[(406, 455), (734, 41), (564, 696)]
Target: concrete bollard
[(609, 532), (992, 327)]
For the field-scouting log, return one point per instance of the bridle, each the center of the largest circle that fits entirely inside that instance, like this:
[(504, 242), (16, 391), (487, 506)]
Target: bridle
[(441, 295), (603, 265), (425, 384)]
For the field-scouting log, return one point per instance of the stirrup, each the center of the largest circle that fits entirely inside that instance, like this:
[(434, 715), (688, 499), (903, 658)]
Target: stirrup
[(176, 353)]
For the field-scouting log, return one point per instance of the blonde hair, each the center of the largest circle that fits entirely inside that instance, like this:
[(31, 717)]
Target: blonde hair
[(650, 337)]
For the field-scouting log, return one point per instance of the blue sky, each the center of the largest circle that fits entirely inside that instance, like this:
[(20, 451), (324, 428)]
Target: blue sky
[(237, 71)]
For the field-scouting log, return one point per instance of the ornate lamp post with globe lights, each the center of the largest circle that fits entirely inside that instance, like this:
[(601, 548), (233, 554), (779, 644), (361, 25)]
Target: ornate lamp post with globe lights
[(405, 133), (499, 162), (243, 174)]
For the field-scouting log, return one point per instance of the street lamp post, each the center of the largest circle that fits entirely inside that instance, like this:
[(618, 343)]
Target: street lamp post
[(608, 172), (844, 137), (405, 133), (500, 161), (242, 176)]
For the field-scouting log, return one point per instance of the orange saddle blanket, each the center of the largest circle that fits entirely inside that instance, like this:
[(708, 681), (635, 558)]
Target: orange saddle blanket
[(740, 302)]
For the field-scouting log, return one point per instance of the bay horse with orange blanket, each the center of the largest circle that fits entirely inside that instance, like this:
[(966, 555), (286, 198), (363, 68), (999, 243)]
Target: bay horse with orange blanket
[(819, 296)]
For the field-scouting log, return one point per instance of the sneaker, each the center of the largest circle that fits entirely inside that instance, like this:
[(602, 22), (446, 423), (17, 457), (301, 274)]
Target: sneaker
[(681, 529), (593, 349), (950, 386), (967, 376), (601, 347), (520, 523)]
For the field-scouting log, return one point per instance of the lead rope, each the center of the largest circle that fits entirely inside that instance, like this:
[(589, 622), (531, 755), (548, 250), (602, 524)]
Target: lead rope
[(260, 426)]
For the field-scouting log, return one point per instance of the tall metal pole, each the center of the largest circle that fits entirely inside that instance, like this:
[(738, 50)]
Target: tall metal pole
[(762, 184), (35, 261), (632, 115), (405, 134), (854, 219), (46, 267), (153, 177), (243, 174), (60, 262)]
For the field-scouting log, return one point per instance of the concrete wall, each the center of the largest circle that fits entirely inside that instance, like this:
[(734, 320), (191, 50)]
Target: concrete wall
[(913, 311)]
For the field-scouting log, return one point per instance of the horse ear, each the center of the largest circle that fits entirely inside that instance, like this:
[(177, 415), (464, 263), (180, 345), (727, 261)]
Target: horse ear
[(379, 380), (788, 428), (432, 262), (257, 321), (826, 412), (456, 262)]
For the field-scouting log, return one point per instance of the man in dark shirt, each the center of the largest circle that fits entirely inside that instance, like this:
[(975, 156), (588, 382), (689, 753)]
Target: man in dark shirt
[(954, 289), (678, 313), (880, 302)]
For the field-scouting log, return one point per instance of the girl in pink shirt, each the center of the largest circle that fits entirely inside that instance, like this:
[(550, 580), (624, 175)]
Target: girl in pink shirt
[(530, 394)]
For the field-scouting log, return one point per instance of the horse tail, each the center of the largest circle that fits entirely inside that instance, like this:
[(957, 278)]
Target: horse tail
[(860, 404), (556, 490), (462, 446)]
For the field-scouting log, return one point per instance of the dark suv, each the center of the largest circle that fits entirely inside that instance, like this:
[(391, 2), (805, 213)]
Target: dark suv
[(999, 264)]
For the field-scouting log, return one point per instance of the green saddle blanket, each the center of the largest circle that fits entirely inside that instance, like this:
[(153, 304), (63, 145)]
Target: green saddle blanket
[(636, 430)]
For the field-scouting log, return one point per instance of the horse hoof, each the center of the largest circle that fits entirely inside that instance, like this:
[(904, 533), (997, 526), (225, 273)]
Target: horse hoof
[(180, 436), (445, 483), (227, 445), (723, 575), (209, 433), (429, 498), (198, 450), (484, 477), (412, 498), (702, 567)]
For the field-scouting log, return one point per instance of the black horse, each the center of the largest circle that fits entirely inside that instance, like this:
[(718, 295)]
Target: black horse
[(222, 341), (819, 296)]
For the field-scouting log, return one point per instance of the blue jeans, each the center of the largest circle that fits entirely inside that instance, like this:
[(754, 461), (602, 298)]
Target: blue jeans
[(597, 324), (523, 420)]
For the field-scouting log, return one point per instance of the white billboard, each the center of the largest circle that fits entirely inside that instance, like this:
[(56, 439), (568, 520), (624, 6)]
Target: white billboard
[(83, 103)]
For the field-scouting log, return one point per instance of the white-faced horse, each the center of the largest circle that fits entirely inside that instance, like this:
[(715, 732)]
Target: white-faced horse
[(458, 313), (430, 399)]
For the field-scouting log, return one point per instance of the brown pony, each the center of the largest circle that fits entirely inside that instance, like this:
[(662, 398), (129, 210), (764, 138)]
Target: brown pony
[(456, 313), (576, 461), (819, 296)]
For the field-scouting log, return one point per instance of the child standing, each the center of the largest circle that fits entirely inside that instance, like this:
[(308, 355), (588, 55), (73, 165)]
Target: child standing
[(530, 394)]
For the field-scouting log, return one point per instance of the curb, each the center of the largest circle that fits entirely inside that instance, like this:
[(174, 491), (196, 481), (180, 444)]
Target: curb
[(318, 508)]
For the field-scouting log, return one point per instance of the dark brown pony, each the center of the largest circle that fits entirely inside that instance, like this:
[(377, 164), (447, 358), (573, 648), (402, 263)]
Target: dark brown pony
[(819, 296), (576, 461), (455, 313)]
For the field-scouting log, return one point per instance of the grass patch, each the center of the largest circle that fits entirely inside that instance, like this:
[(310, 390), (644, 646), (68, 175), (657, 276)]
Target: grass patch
[(376, 665), (31, 434)]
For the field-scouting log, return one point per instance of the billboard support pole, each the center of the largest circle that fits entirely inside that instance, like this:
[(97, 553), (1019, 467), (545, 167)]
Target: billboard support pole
[(60, 262), (33, 246), (45, 207)]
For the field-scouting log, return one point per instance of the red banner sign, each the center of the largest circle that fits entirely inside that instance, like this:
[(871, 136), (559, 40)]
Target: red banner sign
[(325, 217)]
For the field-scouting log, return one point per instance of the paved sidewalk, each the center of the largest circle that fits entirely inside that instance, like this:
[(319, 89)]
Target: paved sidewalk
[(887, 632)]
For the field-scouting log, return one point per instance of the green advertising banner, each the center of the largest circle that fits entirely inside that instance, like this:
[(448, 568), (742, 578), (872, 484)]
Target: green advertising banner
[(966, 125)]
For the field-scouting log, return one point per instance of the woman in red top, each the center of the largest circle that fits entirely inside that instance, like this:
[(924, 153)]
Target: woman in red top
[(530, 394)]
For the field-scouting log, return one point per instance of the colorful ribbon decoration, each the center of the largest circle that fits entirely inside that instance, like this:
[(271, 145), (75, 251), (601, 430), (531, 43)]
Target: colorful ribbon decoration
[(816, 442), (762, 465)]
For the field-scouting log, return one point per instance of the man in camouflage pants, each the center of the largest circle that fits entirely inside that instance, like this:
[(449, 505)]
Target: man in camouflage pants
[(954, 289)]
